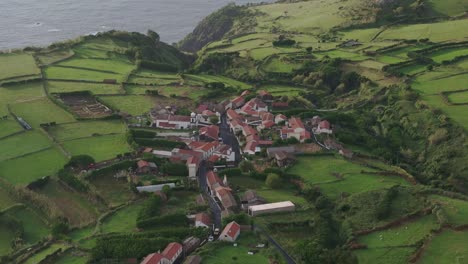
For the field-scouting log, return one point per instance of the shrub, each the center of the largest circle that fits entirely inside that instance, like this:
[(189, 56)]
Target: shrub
[(67, 176), (80, 161), (273, 181), (150, 208), (175, 169), (178, 219)]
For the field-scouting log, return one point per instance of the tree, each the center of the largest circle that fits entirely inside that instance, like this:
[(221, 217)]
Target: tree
[(166, 189), (273, 181), (246, 166), (309, 49), (214, 119)]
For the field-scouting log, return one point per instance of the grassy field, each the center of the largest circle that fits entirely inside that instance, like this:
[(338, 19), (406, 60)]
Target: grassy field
[(6, 200), (217, 78), (22, 144), (236, 255), (384, 255), (412, 69), (449, 247), (193, 93), (456, 210), (449, 8), (145, 76), (124, 220), (39, 164), (35, 228), (36, 258), (72, 257), (55, 56), (404, 235), (75, 207), (458, 98), (280, 65), (19, 93), (448, 54), (8, 127), (118, 66), (114, 191), (62, 73), (13, 65), (281, 90), (95, 88), (41, 111), (5, 240), (82, 129), (131, 104), (99, 147), (436, 82)]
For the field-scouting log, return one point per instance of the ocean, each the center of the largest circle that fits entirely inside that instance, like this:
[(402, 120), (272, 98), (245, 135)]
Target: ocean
[(42, 22)]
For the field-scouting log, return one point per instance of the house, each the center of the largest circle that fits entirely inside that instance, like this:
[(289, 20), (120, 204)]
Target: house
[(155, 258), (209, 133), (203, 220), (225, 196), (145, 167), (324, 127), (271, 208), (233, 115), (169, 121), (272, 151), (253, 107), (284, 159), (280, 118), (225, 152), (236, 126), (192, 165), (251, 148), (194, 259), (249, 198), (237, 102), (265, 96), (190, 244), (172, 252), (295, 129), (230, 233), (213, 181)]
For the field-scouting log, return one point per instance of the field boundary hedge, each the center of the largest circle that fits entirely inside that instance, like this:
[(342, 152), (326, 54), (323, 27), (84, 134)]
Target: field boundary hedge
[(86, 69)]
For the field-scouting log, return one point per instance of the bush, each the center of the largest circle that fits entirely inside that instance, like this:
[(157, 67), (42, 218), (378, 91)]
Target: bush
[(67, 176), (175, 169), (158, 143), (150, 208), (142, 134), (80, 161), (178, 219), (273, 181)]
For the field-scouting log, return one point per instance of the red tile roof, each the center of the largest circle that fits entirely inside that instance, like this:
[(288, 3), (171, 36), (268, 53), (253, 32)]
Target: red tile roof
[(231, 229), (213, 158), (238, 100), (263, 93), (171, 250), (295, 122), (204, 218), (324, 124), (213, 178), (167, 125), (142, 164), (210, 131), (154, 258), (148, 150), (233, 114), (250, 146)]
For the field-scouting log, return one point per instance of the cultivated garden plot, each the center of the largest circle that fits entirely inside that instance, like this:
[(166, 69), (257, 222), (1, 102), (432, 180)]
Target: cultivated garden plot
[(84, 105), (17, 65)]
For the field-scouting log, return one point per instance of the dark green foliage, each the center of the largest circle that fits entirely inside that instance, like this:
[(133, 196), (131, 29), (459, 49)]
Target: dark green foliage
[(142, 134), (60, 228), (217, 63), (178, 219), (163, 67), (258, 175), (273, 181), (246, 166), (234, 172), (150, 208), (69, 178), (175, 169), (241, 219), (385, 206), (39, 183), (158, 143), (80, 161), (284, 42), (123, 165)]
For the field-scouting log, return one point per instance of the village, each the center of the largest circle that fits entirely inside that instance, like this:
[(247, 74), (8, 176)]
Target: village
[(220, 137)]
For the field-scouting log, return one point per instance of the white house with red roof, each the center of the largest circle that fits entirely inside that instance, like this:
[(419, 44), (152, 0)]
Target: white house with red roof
[(203, 220), (280, 118), (324, 127), (155, 258), (172, 121), (237, 102), (209, 133), (193, 164), (230, 233), (172, 252), (295, 129)]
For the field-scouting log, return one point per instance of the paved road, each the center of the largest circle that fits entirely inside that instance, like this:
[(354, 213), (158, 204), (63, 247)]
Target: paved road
[(214, 206), (229, 138), (285, 254)]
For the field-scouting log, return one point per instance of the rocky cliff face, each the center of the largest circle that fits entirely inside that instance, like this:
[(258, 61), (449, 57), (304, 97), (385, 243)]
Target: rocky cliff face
[(212, 28)]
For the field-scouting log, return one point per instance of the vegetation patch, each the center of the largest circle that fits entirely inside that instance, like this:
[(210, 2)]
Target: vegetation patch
[(99, 147), (17, 65), (131, 104), (94, 88), (22, 144), (41, 111), (446, 247)]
